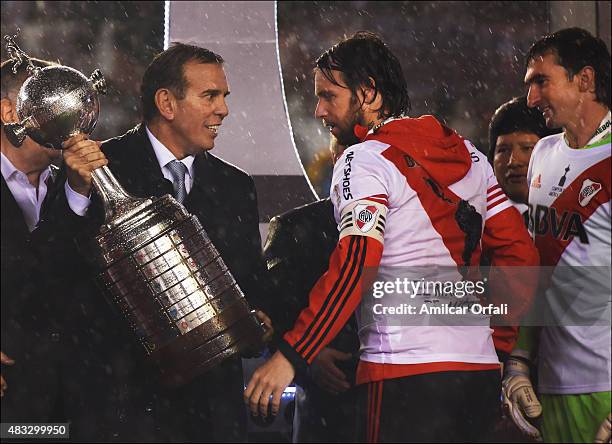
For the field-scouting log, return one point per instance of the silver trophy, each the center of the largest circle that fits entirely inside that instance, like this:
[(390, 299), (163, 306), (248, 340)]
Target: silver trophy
[(54, 103), (156, 263)]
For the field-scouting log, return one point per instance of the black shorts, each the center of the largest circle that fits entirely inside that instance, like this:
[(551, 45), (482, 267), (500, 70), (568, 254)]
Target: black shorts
[(454, 406)]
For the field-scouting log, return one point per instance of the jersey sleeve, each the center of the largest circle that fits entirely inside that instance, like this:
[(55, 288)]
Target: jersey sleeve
[(497, 201), (332, 300), (507, 243), (513, 277), (360, 193), (360, 174)]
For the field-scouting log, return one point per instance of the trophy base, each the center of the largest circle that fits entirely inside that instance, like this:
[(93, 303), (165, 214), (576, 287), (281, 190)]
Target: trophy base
[(160, 269)]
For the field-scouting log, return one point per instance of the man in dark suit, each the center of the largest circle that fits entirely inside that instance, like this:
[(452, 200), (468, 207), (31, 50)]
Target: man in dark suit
[(183, 98), (297, 252), (30, 332)]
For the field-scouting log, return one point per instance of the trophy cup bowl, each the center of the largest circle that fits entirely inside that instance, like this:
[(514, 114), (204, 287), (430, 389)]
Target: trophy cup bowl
[(56, 103)]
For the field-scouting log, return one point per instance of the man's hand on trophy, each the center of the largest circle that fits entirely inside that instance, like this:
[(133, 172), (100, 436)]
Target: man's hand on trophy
[(267, 322), (5, 360), (82, 156), (326, 373)]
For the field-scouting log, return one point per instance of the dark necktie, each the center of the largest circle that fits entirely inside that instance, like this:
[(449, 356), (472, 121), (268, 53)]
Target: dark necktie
[(178, 170)]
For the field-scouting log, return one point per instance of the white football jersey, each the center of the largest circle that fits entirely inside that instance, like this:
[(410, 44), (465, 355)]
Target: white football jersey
[(569, 219), (416, 235)]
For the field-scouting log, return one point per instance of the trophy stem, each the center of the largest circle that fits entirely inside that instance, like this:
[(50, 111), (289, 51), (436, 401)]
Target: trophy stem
[(118, 204)]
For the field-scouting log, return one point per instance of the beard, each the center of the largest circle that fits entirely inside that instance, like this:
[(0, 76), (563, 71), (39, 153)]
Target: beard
[(346, 134)]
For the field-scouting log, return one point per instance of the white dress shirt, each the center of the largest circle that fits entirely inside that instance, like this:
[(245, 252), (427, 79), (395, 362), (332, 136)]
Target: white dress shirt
[(28, 198), (79, 203), (164, 157)]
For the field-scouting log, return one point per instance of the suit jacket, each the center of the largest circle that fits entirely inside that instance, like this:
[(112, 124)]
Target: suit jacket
[(112, 368), (30, 331)]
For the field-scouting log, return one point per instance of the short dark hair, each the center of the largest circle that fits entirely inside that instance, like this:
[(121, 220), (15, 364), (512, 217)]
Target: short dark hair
[(515, 116), (574, 49), (167, 71), (12, 82), (362, 56)]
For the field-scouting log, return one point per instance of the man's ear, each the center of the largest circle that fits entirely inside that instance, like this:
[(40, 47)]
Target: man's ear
[(372, 99), (369, 91), (8, 113), (166, 103), (586, 80)]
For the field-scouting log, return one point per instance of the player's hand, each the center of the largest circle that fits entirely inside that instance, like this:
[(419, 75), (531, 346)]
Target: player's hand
[(269, 329), (4, 360), (325, 372), (271, 379), (604, 433), (81, 157), (519, 398)]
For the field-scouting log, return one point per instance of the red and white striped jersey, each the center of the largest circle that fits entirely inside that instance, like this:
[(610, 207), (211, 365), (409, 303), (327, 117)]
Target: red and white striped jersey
[(433, 193), (417, 233)]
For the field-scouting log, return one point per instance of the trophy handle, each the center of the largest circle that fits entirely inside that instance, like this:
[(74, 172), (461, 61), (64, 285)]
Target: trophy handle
[(15, 133), (17, 55), (98, 82)]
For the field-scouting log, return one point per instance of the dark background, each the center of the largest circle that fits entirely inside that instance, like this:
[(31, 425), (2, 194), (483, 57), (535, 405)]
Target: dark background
[(461, 59)]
